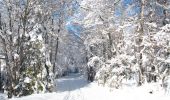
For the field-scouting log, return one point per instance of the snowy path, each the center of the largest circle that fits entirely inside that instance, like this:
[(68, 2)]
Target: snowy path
[(75, 87), (72, 85)]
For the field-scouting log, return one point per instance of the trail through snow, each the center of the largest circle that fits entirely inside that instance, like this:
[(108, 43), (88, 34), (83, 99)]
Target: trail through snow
[(75, 87)]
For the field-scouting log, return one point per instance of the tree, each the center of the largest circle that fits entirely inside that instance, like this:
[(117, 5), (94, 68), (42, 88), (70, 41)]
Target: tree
[(125, 48)]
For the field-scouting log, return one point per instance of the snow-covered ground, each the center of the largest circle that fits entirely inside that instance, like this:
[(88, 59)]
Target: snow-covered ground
[(75, 87)]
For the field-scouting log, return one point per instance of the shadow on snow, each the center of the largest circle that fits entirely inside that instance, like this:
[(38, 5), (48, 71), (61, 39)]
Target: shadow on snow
[(70, 83)]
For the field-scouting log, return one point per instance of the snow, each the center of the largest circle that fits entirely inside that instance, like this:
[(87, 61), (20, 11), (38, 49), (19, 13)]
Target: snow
[(16, 56), (151, 24), (2, 56), (163, 37), (168, 60), (92, 60), (27, 80), (3, 97), (166, 27), (75, 87)]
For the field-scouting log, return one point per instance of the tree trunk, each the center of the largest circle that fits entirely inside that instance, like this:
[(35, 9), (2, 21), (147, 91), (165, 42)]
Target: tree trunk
[(140, 40), (110, 46), (56, 51), (165, 13), (0, 78), (0, 59)]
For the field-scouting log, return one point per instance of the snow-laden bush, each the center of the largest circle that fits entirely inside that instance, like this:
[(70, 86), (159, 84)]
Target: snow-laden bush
[(116, 70), (30, 84), (102, 74), (95, 62)]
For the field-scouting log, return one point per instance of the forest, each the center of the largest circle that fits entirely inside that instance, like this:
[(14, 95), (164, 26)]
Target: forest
[(122, 41)]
